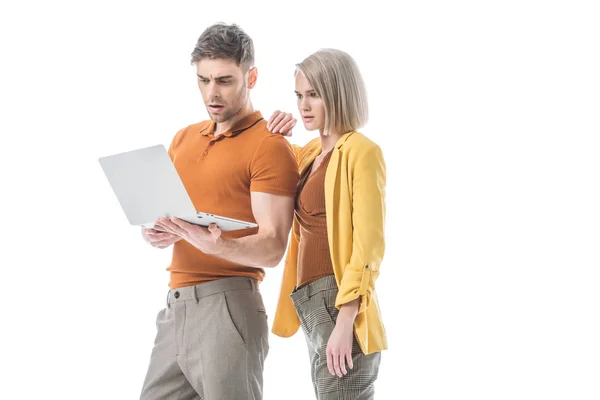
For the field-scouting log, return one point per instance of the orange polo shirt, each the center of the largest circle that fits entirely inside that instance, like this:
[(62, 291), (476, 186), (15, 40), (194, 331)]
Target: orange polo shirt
[(219, 173)]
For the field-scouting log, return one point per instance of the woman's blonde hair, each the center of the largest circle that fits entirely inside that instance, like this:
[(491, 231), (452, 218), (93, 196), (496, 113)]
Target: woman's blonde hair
[(335, 77)]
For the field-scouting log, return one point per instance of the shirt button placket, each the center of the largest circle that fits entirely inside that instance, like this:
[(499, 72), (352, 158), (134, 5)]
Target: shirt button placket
[(208, 146)]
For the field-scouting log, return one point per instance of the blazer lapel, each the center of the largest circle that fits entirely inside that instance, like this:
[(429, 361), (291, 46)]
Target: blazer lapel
[(309, 158)]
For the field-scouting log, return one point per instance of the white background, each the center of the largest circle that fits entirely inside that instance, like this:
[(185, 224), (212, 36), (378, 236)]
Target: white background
[(488, 114)]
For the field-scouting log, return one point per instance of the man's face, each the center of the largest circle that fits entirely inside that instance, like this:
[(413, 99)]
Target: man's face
[(310, 105), (224, 87)]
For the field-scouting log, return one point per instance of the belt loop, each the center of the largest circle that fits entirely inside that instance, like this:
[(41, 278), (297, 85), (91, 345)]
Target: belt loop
[(253, 285), (196, 294), (169, 299)]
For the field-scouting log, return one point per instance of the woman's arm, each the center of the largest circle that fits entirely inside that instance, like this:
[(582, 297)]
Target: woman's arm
[(368, 220)]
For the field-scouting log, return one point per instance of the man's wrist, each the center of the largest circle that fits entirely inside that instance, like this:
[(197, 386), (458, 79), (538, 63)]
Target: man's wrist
[(214, 248)]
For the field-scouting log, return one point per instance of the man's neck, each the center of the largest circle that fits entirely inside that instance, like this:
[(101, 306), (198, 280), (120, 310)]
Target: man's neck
[(225, 126)]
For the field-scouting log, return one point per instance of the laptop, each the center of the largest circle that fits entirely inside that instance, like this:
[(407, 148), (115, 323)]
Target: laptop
[(148, 187)]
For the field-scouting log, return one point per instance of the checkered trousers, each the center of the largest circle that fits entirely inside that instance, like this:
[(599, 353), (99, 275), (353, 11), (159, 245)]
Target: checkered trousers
[(315, 304)]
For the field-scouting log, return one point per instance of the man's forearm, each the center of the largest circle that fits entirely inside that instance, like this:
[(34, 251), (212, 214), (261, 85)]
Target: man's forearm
[(260, 250)]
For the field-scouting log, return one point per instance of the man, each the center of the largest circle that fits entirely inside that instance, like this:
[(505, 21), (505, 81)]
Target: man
[(212, 337)]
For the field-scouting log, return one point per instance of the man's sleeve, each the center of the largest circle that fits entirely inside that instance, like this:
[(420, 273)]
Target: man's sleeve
[(274, 169), (175, 142)]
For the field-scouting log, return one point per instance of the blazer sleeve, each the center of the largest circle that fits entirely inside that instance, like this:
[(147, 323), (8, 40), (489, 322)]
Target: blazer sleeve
[(297, 150), (368, 219)]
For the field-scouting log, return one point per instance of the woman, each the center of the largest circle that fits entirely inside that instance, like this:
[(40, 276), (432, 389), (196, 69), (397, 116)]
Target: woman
[(337, 242)]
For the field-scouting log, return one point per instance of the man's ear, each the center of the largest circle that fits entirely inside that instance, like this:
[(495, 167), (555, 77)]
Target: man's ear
[(252, 76)]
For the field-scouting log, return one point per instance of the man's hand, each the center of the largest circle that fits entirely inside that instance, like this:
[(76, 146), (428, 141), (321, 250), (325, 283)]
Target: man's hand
[(158, 239), (282, 123), (204, 239), (273, 214)]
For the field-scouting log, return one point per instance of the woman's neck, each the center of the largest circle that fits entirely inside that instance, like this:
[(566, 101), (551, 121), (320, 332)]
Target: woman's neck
[(329, 141)]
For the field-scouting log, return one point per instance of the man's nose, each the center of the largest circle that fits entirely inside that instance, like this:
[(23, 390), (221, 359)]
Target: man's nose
[(213, 91)]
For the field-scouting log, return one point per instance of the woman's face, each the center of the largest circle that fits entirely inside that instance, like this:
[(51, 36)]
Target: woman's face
[(310, 105)]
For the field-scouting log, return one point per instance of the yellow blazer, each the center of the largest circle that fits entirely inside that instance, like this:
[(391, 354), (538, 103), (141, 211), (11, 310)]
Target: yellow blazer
[(355, 207)]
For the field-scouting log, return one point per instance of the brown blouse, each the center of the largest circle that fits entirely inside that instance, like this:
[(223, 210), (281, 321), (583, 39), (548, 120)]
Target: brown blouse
[(314, 259)]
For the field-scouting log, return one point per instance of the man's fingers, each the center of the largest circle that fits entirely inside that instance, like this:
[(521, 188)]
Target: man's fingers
[(163, 243), (165, 240), (172, 226), (164, 236), (161, 240), (214, 229), (163, 230), (163, 225), (155, 233), (147, 233), (159, 236), (181, 224)]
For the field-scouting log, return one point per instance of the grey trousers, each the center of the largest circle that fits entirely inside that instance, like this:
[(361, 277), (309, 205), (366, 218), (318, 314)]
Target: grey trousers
[(315, 305), (211, 343)]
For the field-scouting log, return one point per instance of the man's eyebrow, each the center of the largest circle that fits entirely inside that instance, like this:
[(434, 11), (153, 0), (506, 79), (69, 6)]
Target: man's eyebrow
[(217, 78)]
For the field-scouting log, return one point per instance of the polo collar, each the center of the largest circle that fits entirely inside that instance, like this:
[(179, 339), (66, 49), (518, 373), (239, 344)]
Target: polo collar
[(240, 126)]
